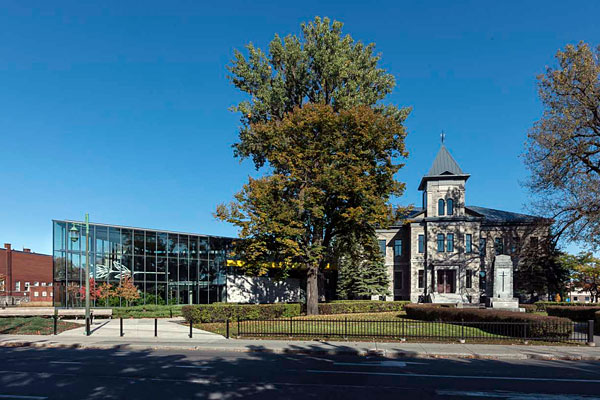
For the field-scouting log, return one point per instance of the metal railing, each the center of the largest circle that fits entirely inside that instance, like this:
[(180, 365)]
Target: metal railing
[(403, 329)]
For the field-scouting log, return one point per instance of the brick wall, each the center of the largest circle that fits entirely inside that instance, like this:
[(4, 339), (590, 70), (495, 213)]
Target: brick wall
[(23, 270)]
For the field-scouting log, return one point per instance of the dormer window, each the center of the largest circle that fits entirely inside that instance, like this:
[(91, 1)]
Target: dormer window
[(450, 206), (441, 207)]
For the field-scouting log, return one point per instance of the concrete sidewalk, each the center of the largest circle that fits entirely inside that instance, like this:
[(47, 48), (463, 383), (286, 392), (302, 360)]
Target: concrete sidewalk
[(211, 342), (168, 329)]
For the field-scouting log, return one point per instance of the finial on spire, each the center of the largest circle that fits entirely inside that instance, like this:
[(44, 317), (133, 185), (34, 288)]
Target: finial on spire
[(443, 136)]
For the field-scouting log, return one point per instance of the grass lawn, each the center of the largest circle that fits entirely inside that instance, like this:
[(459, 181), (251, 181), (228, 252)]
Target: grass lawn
[(391, 325), (32, 326)]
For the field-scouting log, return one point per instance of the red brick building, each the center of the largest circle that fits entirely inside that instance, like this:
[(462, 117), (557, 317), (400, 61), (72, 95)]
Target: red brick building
[(24, 276)]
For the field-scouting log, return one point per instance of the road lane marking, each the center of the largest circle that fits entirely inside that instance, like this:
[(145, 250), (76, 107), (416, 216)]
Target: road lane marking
[(387, 363), (514, 395), (14, 396), (65, 362), (193, 366), (410, 375)]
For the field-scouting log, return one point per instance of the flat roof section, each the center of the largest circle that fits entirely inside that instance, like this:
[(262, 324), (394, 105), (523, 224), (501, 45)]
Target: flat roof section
[(141, 229)]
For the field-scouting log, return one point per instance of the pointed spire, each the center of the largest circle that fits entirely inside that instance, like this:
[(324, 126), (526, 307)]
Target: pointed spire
[(444, 164)]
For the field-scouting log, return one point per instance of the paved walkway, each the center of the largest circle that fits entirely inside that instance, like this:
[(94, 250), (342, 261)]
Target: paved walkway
[(175, 338), (168, 329)]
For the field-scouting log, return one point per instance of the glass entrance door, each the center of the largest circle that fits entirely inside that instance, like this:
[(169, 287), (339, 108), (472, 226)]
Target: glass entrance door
[(446, 281)]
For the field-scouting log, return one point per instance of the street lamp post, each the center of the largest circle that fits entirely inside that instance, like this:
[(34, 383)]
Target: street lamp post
[(74, 237)]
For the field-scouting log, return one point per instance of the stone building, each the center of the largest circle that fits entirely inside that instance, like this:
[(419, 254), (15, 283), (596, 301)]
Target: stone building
[(445, 250)]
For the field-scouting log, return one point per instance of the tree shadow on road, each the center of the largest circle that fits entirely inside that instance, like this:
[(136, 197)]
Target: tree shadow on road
[(120, 372)]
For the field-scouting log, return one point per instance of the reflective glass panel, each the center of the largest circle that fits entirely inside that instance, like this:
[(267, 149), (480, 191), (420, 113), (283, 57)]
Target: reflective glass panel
[(161, 244), (150, 243), (139, 243), (127, 238)]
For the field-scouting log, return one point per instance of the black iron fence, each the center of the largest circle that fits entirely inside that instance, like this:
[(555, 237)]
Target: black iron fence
[(403, 329)]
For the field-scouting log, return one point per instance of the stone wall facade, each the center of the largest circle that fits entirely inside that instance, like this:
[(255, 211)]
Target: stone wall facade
[(448, 248)]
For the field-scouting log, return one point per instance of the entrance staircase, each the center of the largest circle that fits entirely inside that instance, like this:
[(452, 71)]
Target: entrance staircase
[(448, 298)]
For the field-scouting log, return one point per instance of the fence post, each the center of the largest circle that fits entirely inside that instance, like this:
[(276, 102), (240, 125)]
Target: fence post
[(155, 327), (121, 325), (291, 328), (238, 326), (171, 312), (227, 336), (191, 325), (462, 330), (525, 331), (55, 317), (346, 327), (590, 341)]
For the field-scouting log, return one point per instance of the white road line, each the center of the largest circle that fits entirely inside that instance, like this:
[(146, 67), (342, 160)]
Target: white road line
[(193, 366), (502, 378), (514, 395), (65, 362), (14, 396), (388, 363)]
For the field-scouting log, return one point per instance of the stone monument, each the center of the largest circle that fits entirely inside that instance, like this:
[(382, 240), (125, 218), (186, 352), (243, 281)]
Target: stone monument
[(503, 285)]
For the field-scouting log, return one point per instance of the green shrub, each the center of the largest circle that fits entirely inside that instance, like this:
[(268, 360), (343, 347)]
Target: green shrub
[(220, 312), (540, 327), (360, 306), (147, 311), (541, 305), (579, 314), (529, 308)]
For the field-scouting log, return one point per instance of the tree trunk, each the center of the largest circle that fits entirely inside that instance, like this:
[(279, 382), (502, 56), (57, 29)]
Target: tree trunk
[(312, 290)]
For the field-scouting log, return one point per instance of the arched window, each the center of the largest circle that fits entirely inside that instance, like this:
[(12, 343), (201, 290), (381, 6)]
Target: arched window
[(450, 205), (441, 206)]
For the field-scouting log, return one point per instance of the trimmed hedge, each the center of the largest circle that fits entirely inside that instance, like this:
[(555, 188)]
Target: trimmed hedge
[(597, 323), (220, 312), (529, 308), (361, 306), (579, 314), (541, 305), (147, 311), (541, 327)]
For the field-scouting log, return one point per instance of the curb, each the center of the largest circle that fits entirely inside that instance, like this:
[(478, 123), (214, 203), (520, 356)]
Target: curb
[(361, 353)]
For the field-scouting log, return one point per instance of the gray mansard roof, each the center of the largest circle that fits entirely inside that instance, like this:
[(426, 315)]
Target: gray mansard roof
[(487, 216), (492, 215)]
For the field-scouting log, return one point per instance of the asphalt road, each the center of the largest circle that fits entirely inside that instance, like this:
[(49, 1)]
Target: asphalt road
[(29, 373)]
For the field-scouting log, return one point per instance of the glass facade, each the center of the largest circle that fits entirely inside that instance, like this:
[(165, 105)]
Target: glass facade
[(166, 267)]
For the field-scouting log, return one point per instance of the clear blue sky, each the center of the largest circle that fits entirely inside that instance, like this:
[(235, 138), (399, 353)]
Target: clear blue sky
[(120, 109)]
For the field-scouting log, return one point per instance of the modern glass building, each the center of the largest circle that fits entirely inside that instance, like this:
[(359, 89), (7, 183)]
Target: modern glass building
[(166, 267)]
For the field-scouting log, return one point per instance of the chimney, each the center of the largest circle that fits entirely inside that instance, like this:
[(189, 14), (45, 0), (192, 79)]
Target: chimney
[(7, 246), (26, 250)]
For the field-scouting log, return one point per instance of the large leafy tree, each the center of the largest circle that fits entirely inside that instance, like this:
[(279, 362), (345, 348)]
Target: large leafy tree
[(333, 174), (563, 147), (329, 148)]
